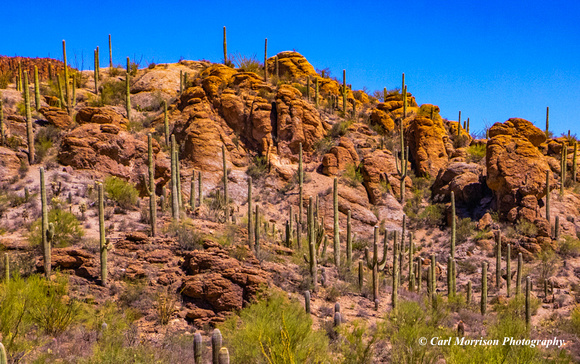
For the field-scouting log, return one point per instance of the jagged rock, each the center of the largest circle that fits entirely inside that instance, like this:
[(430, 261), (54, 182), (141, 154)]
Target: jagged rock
[(466, 180), (515, 169), (485, 222), (292, 65), (339, 157), (78, 260), (100, 115), (379, 171), (380, 117), (9, 164), (521, 127), (427, 140), (57, 117)]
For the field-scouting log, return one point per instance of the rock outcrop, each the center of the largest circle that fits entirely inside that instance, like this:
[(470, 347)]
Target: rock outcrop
[(427, 139), (380, 174), (57, 117), (339, 157)]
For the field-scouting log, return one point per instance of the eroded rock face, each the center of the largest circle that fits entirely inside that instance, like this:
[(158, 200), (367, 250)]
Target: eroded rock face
[(57, 117), (466, 180), (378, 170), (109, 149), (71, 259), (217, 283), (519, 127), (100, 115), (427, 139), (339, 157), (515, 169), (9, 164), (292, 65)]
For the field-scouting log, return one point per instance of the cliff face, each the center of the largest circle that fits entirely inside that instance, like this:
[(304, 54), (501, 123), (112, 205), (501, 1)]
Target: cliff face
[(46, 66)]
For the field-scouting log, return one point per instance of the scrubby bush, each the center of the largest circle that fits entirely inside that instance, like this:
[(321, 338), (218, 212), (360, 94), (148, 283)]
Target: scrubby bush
[(274, 330), (352, 176), (476, 152), (465, 228), (433, 214), (526, 228), (113, 92), (247, 64), (188, 237), (339, 129), (121, 191), (358, 344), (258, 168), (67, 229), (569, 247)]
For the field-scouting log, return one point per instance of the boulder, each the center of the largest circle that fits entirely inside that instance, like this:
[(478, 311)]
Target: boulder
[(466, 180), (100, 115), (427, 140), (339, 157), (56, 117), (9, 164), (292, 65), (379, 171), (521, 127)]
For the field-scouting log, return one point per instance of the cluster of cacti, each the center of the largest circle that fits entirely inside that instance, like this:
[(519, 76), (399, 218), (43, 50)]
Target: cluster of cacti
[(103, 246), (376, 265), (311, 259), (45, 226), (29, 130), (128, 91), (483, 288), (151, 186)]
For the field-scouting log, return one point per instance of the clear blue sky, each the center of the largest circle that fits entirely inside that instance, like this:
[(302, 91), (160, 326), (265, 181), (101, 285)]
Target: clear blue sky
[(490, 59)]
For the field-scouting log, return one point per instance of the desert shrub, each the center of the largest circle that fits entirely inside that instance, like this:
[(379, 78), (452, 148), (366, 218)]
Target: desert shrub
[(575, 320), (476, 152), (569, 247), (258, 168), (188, 237), (247, 63), (5, 77), (433, 215), (115, 71), (352, 176), (113, 92), (339, 129), (358, 344), (547, 265), (526, 228), (322, 146), (464, 229), (274, 330), (121, 191), (67, 229), (165, 303)]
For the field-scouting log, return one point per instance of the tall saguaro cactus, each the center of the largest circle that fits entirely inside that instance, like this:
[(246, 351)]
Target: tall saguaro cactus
[(519, 275), (36, 89), (44, 226), (216, 343), (498, 261), (483, 288), (376, 265), (128, 92), (225, 48), (266, 60), (29, 130), (250, 226), (344, 92), (547, 122), (311, 260), (453, 225), (110, 52), (348, 240), (174, 176), (151, 187), (300, 186), (67, 95), (96, 72), (2, 127), (197, 348), (102, 241), (336, 226)]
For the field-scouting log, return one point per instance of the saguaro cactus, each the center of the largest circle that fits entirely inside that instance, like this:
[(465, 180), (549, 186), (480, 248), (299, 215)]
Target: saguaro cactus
[(225, 51), (266, 60), (519, 274), (67, 95), (528, 301), (2, 127), (96, 73), (224, 356), (110, 53), (225, 180), (508, 270), (151, 187), (29, 130), (36, 89), (402, 169), (128, 92), (336, 226), (192, 192), (307, 301), (311, 247), (374, 264), (199, 189), (174, 176), (557, 228), (548, 195), (102, 242), (348, 240), (300, 186), (453, 224), (344, 92), (3, 358), (250, 227), (498, 261), (361, 274), (483, 288), (216, 344), (197, 348), (433, 275), (547, 121), (44, 226), (166, 122)]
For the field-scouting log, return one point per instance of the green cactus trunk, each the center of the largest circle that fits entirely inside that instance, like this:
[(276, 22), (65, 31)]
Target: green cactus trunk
[(257, 231), (3, 358), (469, 293), (498, 262), (60, 93), (266, 60), (44, 226), (174, 197), (36, 89), (548, 195), (216, 344), (2, 127), (361, 274), (128, 92), (29, 130), (110, 53), (547, 122), (300, 187), (483, 288), (508, 270), (307, 301), (519, 275), (336, 226), (225, 51), (102, 242), (96, 73), (395, 283), (449, 279), (459, 124), (411, 253), (453, 224), (197, 348), (467, 129), (348, 240), (419, 273), (152, 200), (311, 260), (68, 105), (250, 226), (192, 192), (74, 91), (557, 228), (528, 301), (166, 123), (199, 189), (290, 225), (433, 274)]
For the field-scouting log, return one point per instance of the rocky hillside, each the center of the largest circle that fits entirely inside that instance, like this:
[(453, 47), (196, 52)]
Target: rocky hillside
[(279, 211)]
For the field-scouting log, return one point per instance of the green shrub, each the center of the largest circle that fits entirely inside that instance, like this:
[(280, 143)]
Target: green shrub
[(476, 152), (464, 229), (67, 229), (258, 169), (322, 146), (526, 228), (352, 176), (339, 129), (113, 92), (358, 344), (247, 64), (274, 330), (5, 77), (570, 247), (433, 215), (575, 320), (121, 191), (188, 237)]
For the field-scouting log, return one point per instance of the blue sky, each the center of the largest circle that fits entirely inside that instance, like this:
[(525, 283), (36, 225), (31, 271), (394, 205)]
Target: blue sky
[(490, 59)]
